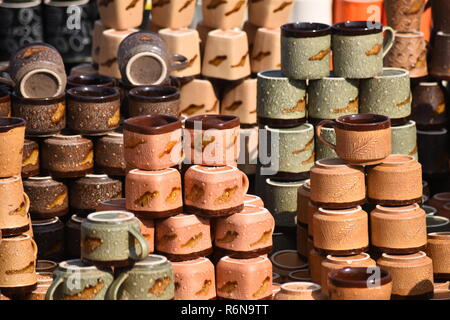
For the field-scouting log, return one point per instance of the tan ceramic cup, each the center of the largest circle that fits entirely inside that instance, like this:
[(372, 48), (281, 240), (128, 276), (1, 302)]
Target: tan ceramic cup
[(270, 14), (226, 55), (174, 14), (153, 194), (121, 15), (97, 32), (198, 97), (224, 15), (299, 291), (361, 139), (266, 50), (12, 137), (240, 100), (438, 250), (14, 206), (214, 191)]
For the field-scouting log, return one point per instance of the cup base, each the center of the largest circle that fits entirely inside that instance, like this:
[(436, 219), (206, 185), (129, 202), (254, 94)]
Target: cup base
[(186, 257), (18, 291), (242, 254), (32, 173), (111, 263), (423, 296), (48, 215), (13, 232), (281, 123), (213, 213), (111, 171), (70, 174), (395, 202), (290, 176)]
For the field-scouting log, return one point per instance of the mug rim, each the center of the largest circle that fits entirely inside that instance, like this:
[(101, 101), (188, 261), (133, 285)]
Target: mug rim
[(409, 34), (308, 286), (285, 184), (338, 277), (395, 210), (432, 210), (39, 101), (356, 28), (378, 122), (9, 123), (309, 126), (273, 75), (305, 29), (85, 79), (128, 216), (213, 121), (168, 93), (93, 94), (144, 262), (152, 124), (401, 73), (280, 266)]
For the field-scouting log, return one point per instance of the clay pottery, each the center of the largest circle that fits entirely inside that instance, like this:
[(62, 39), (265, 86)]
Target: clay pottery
[(176, 14), (302, 239), (335, 184), (439, 56), (438, 247), (437, 224), (48, 198), (286, 261), (154, 194), (404, 139), (412, 275), (112, 204), (358, 48), (97, 31), (340, 262), (428, 106), (18, 261), (152, 142), (38, 71), (89, 80), (67, 156), (361, 139), (198, 97), (84, 69), (441, 20), (433, 152), (322, 150), (86, 193), (266, 50), (154, 100), (405, 15), (109, 155), (121, 15), (45, 266), (203, 31), (332, 234), (73, 231), (185, 42), (301, 275), (305, 50), (299, 291), (246, 234), (76, 280), (269, 14), (183, 237), (244, 279), (214, 191), (239, 99), (12, 134), (359, 284), (281, 102), (49, 237), (303, 198), (149, 279), (315, 260), (439, 200), (251, 199), (148, 231), (194, 280), (14, 206), (226, 55), (429, 211), (5, 103), (30, 159), (112, 238), (225, 16), (409, 52), (45, 279), (312, 10), (211, 140)]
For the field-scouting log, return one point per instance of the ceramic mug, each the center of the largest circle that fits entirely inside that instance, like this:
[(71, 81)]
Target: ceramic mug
[(30, 159), (266, 50), (198, 97), (112, 238), (322, 150), (404, 139), (14, 206), (441, 21), (358, 48), (156, 100), (121, 15), (225, 16), (176, 14), (109, 154), (49, 237), (436, 249), (12, 135), (405, 15), (361, 139), (439, 56), (299, 291), (269, 14), (429, 106), (239, 99)]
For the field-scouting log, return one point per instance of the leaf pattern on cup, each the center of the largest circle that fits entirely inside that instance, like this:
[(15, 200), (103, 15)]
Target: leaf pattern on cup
[(192, 242), (234, 106), (186, 5), (59, 113), (241, 62), (132, 4), (27, 269), (299, 107), (344, 189), (375, 50), (195, 194), (310, 159), (58, 201), (320, 55), (236, 8), (88, 293), (227, 195), (146, 198), (263, 288), (159, 286), (261, 55), (404, 102), (89, 244), (32, 159), (168, 149), (229, 236), (352, 106), (229, 287), (20, 211), (266, 236), (31, 51), (282, 6), (115, 119), (217, 60), (364, 145), (88, 159), (174, 195), (205, 288)]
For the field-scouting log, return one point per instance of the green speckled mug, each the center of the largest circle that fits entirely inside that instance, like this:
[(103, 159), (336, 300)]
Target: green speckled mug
[(112, 238), (404, 139)]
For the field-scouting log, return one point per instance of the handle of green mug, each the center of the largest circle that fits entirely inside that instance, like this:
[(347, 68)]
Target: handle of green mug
[(113, 289), (389, 42), (142, 243), (51, 290), (245, 183), (319, 132), (179, 62)]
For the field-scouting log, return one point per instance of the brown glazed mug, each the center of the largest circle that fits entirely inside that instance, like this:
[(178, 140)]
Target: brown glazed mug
[(30, 159), (95, 80), (109, 155), (361, 139), (72, 236), (12, 136), (441, 20), (156, 100), (429, 106), (440, 56), (14, 206), (49, 237)]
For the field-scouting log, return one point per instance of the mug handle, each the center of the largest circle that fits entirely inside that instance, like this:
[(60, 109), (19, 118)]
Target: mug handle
[(389, 39), (142, 243), (113, 289), (319, 132), (245, 183), (179, 62), (35, 247), (51, 290)]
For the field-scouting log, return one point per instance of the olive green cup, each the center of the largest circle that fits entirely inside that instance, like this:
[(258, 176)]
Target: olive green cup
[(404, 139)]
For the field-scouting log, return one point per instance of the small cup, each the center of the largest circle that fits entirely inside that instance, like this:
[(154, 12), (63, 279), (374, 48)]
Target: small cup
[(305, 50), (12, 136), (154, 100), (439, 56), (112, 238), (89, 80), (404, 16), (30, 159), (176, 14), (404, 139), (14, 205), (45, 266), (286, 261), (266, 50), (225, 16), (361, 139), (152, 142), (437, 224), (73, 230), (198, 97), (239, 100), (436, 250), (358, 48), (109, 155), (299, 291), (121, 15), (429, 106), (49, 237), (269, 14)]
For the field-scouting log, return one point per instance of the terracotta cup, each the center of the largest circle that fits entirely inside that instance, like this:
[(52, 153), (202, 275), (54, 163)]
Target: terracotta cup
[(439, 56), (355, 10), (361, 139), (109, 154), (429, 106), (121, 15), (154, 194), (198, 97), (336, 185), (14, 204), (30, 159), (226, 55), (12, 135), (214, 191), (45, 266), (224, 16), (269, 14), (266, 50), (315, 264), (175, 14), (152, 142), (437, 250), (404, 15), (299, 291), (239, 99), (148, 231), (251, 199), (95, 80), (154, 100)]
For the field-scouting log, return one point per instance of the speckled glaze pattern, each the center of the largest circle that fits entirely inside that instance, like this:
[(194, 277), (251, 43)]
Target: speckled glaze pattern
[(12, 152), (438, 249), (173, 14), (72, 235), (404, 15), (121, 15), (281, 197), (297, 57), (322, 150), (49, 237), (109, 154), (30, 159), (14, 205), (5, 105), (48, 198), (139, 108), (404, 139)]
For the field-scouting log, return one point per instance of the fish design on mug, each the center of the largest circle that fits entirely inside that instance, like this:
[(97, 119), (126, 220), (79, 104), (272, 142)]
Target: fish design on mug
[(88, 293), (90, 244), (375, 50), (266, 236), (20, 211), (282, 6), (132, 4), (319, 56), (192, 242), (308, 146), (115, 119), (310, 159), (195, 194), (416, 6), (159, 286), (174, 195), (229, 287), (299, 107), (58, 201), (132, 143), (352, 106), (217, 60), (29, 52), (146, 198), (404, 102), (88, 159), (241, 62), (193, 108), (236, 8), (229, 236), (32, 159), (28, 269), (205, 288), (261, 55), (227, 195), (168, 149), (59, 113), (263, 288), (234, 106), (186, 5)]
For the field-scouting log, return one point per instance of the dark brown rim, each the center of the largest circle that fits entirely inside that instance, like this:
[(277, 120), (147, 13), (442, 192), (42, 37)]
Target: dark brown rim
[(94, 94), (356, 277), (363, 122), (356, 28), (281, 123), (90, 80), (38, 101), (152, 124), (154, 94), (305, 30), (7, 124), (213, 121)]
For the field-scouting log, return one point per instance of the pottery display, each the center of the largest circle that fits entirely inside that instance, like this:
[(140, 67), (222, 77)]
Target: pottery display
[(72, 236), (428, 106), (45, 266), (121, 15), (225, 16), (251, 199), (269, 14), (300, 275), (14, 206), (437, 249), (12, 135), (30, 159), (286, 261), (404, 139), (175, 14), (109, 155), (148, 231), (315, 260), (437, 224), (405, 15), (49, 237), (266, 51), (303, 198), (198, 97), (154, 100), (299, 291), (439, 200), (439, 56), (433, 151), (239, 100)]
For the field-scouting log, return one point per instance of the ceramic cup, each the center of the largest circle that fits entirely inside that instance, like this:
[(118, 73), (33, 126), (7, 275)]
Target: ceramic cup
[(251, 199), (49, 237), (76, 280), (437, 224), (97, 31), (109, 154), (266, 50), (152, 142), (5, 103), (155, 100), (84, 69), (72, 236), (44, 116), (65, 156), (112, 238), (281, 102), (214, 191), (219, 15), (248, 156), (388, 94), (429, 106), (358, 48), (405, 15), (121, 15), (439, 56), (154, 194), (45, 266), (441, 20), (149, 279), (30, 159), (269, 14), (94, 80), (305, 50), (404, 139), (239, 99), (299, 291), (303, 198), (198, 97), (433, 151), (409, 52), (322, 150), (194, 280), (336, 185), (437, 248), (14, 205), (12, 135), (38, 71), (176, 14), (395, 181), (361, 139)]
